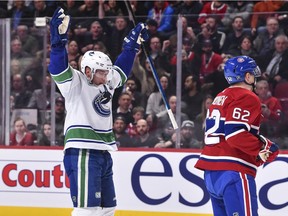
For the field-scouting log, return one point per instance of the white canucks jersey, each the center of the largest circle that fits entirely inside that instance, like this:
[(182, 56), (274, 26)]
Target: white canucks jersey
[(89, 119)]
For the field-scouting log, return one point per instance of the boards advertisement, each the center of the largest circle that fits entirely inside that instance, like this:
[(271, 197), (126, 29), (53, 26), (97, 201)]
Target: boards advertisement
[(33, 182)]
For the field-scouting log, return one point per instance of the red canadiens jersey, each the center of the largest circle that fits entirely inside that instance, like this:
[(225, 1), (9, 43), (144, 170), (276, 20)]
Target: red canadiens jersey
[(232, 126)]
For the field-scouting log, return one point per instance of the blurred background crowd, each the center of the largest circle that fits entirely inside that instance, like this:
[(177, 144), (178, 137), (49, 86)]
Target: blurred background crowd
[(213, 31)]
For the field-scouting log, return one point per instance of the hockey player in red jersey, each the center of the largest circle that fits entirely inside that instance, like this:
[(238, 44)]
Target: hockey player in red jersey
[(233, 147)]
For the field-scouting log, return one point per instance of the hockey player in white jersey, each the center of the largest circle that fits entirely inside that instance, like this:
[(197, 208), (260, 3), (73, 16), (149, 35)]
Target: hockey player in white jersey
[(88, 126)]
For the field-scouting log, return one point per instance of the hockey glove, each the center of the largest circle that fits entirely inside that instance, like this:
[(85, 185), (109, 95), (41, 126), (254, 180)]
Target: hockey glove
[(269, 151), (274, 149), (59, 25), (137, 35)]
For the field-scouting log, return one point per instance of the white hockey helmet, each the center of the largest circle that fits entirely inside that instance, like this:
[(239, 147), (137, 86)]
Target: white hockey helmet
[(95, 60)]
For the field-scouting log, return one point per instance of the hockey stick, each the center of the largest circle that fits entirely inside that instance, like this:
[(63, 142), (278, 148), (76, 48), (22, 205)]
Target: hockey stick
[(155, 75)]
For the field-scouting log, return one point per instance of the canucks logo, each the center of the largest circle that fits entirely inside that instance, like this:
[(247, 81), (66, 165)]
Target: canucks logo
[(100, 102)]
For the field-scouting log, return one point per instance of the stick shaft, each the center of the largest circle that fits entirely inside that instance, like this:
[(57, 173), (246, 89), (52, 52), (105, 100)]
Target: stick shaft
[(155, 75)]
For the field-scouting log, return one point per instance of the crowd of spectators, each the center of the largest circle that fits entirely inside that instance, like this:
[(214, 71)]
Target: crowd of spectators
[(213, 31)]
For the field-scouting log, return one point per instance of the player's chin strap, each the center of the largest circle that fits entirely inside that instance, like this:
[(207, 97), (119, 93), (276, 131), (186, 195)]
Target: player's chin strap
[(253, 85)]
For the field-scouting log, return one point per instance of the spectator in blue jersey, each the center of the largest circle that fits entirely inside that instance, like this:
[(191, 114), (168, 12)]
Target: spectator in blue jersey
[(163, 13), (88, 129), (233, 147)]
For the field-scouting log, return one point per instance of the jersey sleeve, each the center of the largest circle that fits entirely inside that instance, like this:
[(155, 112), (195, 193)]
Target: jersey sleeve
[(118, 77), (242, 124), (68, 82)]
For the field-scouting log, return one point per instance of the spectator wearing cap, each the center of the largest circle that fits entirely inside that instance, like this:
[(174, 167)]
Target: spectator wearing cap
[(188, 139), (119, 129), (187, 136), (210, 60)]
